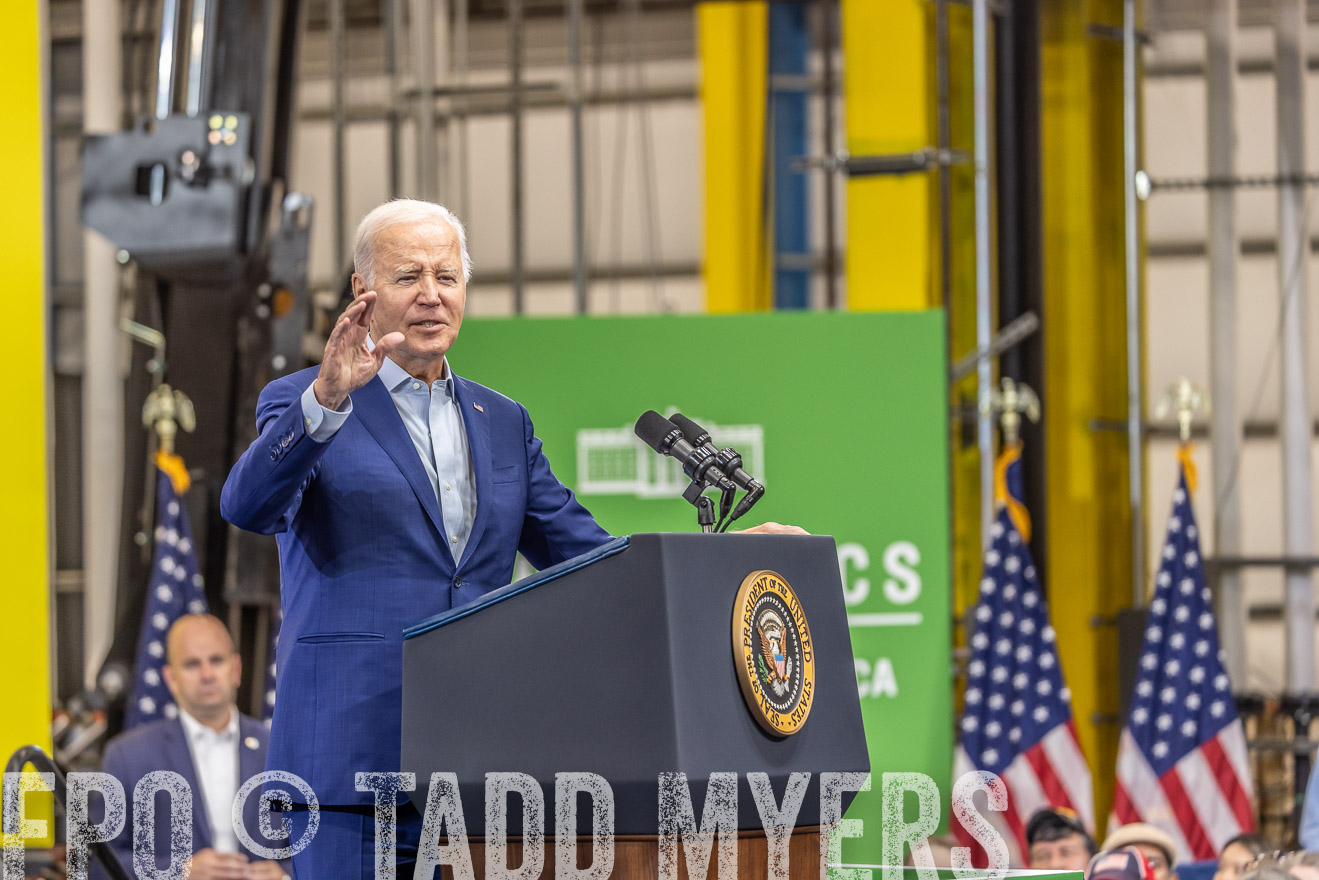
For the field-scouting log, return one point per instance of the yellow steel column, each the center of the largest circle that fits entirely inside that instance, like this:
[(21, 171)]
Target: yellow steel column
[(893, 247), (889, 107), (734, 86), (1089, 524), (25, 648), (968, 559)]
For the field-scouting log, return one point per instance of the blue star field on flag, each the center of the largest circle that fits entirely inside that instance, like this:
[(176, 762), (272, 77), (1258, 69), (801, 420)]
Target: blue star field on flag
[(175, 589), (1182, 696), (1015, 692)]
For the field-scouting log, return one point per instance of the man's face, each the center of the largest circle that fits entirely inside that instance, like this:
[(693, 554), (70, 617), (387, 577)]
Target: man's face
[(1065, 854), (420, 292), (1158, 861), (203, 671)]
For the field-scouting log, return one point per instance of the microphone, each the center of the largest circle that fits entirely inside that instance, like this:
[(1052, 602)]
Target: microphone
[(727, 459), (666, 438)]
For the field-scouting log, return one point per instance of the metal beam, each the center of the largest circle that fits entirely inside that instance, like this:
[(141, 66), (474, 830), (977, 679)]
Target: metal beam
[(1223, 251), (165, 59), (984, 261), (1135, 403), (423, 62), (1298, 521), (515, 152), (338, 160), (575, 91), (393, 33), (102, 378)]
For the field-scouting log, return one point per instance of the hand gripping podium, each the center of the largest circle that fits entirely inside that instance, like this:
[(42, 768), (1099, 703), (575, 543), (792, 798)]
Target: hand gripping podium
[(623, 663)]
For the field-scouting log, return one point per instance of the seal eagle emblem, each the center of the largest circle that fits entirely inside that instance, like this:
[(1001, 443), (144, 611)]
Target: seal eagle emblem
[(773, 653)]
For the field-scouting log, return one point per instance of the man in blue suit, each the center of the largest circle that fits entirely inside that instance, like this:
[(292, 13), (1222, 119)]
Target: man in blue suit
[(213, 747), (396, 490)]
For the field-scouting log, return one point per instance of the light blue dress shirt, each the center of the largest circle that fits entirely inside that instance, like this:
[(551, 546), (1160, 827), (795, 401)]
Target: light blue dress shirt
[(1309, 831), (430, 413)]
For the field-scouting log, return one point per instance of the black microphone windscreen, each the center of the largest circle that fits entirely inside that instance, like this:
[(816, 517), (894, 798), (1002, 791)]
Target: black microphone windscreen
[(652, 428), (689, 429)]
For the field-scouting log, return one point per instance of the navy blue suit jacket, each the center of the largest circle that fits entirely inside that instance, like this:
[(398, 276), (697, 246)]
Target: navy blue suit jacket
[(163, 745), (363, 554)]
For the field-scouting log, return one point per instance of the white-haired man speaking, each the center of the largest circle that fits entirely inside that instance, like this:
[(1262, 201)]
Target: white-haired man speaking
[(396, 490)]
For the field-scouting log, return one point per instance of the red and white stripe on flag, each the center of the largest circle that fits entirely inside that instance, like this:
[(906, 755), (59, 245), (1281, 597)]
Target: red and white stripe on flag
[(1182, 762), (1202, 801), (1051, 773), (1017, 711)]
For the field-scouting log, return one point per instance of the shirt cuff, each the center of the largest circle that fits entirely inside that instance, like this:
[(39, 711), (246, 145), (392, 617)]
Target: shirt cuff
[(321, 422)]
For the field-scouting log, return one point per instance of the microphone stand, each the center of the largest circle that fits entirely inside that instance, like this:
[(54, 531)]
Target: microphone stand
[(694, 494)]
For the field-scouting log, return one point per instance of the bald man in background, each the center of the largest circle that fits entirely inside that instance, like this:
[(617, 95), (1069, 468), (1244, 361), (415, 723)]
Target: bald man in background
[(210, 744)]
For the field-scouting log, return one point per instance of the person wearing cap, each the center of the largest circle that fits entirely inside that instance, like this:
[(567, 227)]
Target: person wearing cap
[(1123, 863), (1057, 841), (1156, 844)]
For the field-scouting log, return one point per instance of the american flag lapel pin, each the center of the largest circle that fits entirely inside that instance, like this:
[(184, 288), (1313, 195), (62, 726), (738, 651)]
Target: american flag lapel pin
[(478, 406)]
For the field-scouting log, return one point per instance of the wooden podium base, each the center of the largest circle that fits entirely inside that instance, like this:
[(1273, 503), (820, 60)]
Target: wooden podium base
[(636, 857)]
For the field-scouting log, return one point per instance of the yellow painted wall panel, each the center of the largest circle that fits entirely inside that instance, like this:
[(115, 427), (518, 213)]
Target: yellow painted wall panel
[(1089, 568), (24, 515), (733, 40), (889, 107)]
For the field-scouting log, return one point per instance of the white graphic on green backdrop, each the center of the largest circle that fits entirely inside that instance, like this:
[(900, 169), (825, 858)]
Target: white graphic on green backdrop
[(614, 461), (850, 412)]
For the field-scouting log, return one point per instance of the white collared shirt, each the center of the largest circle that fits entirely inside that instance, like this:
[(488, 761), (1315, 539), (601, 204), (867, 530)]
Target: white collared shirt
[(431, 415), (215, 758)]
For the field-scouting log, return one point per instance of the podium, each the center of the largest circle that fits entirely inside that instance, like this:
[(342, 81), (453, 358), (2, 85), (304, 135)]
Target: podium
[(624, 663)]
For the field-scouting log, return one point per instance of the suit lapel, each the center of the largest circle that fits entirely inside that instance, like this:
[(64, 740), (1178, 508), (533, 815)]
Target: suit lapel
[(250, 760), (477, 424), (377, 412), (177, 755)]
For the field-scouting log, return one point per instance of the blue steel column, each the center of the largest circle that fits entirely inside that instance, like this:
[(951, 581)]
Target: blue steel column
[(788, 196)]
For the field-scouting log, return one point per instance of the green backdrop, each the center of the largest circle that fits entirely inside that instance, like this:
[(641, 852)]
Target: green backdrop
[(842, 416)]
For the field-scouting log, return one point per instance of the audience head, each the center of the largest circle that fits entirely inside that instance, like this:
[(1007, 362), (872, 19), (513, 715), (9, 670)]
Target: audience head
[(1156, 844), (1056, 840), (1238, 853), (202, 668), (1124, 863)]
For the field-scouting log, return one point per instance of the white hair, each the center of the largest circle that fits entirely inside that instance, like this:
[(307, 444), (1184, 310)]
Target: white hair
[(402, 211)]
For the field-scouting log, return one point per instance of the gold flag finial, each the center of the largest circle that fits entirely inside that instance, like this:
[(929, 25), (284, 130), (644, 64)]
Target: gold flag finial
[(1186, 398), (1012, 401), (165, 411)]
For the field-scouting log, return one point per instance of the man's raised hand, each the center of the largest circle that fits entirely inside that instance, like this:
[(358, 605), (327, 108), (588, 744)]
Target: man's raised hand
[(348, 363)]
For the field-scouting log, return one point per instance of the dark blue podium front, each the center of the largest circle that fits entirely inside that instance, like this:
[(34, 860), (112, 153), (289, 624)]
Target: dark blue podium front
[(621, 663)]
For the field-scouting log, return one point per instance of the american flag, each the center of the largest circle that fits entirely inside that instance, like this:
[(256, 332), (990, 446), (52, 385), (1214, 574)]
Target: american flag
[(1017, 720), (175, 589), (1182, 762)]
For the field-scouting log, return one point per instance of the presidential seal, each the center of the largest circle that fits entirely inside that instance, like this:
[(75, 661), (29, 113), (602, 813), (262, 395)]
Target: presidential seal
[(773, 653)]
